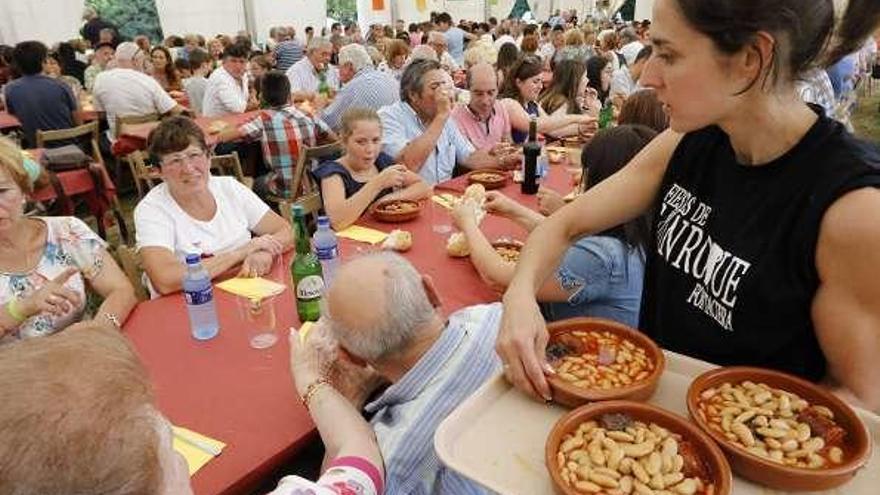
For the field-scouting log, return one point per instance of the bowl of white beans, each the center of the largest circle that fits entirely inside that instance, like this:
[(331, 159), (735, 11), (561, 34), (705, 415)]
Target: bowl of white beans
[(779, 430)]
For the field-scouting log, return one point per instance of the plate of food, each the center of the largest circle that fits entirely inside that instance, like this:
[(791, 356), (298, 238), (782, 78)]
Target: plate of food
[(632, 447), (778, 430), (396, 210), (597, 359), (508, 249), (490, 178)]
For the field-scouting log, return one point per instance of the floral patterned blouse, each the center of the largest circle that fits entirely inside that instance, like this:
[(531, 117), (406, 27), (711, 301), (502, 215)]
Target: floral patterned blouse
[(69, 243)]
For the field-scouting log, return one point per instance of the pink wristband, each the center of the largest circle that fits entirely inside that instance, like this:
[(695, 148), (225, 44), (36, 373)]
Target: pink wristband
[(362, 465)]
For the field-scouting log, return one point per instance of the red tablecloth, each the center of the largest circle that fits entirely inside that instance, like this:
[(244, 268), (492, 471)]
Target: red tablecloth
[(246, 398), (75, 183), (8, 121), (134, 136)]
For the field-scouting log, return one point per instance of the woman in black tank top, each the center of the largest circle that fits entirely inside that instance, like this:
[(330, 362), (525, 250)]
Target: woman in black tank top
[(766, 243)]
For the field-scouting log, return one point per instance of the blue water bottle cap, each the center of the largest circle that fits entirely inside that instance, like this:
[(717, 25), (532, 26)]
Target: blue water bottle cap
[(323, 221), (193, 259)]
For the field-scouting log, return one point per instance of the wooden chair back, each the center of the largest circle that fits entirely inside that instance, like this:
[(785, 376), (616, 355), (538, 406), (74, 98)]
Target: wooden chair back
[(230, 165), (134, 119), (86, 133), (302, 182), (144, 175)]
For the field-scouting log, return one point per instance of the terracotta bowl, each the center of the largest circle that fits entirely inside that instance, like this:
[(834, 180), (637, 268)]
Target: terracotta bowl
[(857, 447), (490, 178), (508, 244), (386, 211), (713, 459), (570, 395)]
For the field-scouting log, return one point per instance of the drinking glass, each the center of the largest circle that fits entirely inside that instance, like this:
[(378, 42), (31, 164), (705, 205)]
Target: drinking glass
[(258, 316)]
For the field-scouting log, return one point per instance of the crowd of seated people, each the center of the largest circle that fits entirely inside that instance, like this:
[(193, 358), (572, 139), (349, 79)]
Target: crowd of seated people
[(409, 107)]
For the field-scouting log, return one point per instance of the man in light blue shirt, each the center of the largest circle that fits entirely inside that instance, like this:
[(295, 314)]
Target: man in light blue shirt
[(363, 85), (455, 37), (383, 312), (418, 132)]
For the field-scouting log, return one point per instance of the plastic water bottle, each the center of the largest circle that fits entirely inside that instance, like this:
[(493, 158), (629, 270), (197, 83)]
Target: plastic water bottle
[(326, 249), (199, 295)]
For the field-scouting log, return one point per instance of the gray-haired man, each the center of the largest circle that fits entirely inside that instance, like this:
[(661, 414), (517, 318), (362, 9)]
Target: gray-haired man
[(305, 76), (384, 313), (363, 85)]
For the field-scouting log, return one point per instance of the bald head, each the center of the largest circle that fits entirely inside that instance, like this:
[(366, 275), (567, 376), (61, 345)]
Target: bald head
[(482, 75), (376, 305), (483, 85)]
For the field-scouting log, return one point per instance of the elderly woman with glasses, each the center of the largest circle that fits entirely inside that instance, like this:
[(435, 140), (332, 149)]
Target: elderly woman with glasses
[(47, 264), (194, 212)]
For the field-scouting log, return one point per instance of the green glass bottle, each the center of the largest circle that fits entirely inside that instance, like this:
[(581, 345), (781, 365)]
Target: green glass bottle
[(323, 87), (305, 270), (606, 116)]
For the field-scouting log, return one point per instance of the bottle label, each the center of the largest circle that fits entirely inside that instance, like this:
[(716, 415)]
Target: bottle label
[(326, 253), (310, 287), (197, 297)]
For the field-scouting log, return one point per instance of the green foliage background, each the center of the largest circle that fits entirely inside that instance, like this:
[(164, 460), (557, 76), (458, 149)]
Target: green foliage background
[(132, 17), (343, 11), (628, 11)]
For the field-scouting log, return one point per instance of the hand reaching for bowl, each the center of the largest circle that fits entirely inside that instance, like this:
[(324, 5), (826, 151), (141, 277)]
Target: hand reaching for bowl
[(501, 205), (549, 201)]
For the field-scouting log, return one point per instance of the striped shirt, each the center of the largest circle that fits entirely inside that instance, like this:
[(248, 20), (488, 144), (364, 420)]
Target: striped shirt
[(410, 410), (283, 133), (288, 53), (369, 88)]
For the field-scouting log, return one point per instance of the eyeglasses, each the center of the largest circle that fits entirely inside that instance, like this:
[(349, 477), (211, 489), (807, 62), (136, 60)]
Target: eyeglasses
[(179, 159)]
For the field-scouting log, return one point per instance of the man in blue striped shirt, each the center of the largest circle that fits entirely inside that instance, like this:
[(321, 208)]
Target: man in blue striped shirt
[(363, 85), (384, 313), (289, 51)]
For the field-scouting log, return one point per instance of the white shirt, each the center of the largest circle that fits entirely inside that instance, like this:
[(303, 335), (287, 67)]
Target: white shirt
[(631, 50), (127, 92), (622, 83), (161, 222), (304, 77), (225, 95)]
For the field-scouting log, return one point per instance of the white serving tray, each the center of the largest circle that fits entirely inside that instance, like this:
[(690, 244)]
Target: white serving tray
[(497, 436)]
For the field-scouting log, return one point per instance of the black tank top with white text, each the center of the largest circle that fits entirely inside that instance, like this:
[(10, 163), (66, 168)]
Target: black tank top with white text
[(731, 274)]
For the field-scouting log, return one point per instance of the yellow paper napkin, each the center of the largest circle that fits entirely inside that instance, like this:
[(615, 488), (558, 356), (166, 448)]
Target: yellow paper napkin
[(363, 234), (445, 200), (253, 288), (195, 448)]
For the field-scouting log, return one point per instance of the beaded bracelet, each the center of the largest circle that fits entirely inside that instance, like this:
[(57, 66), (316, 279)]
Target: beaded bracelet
[(15, 311), (312, 389)]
